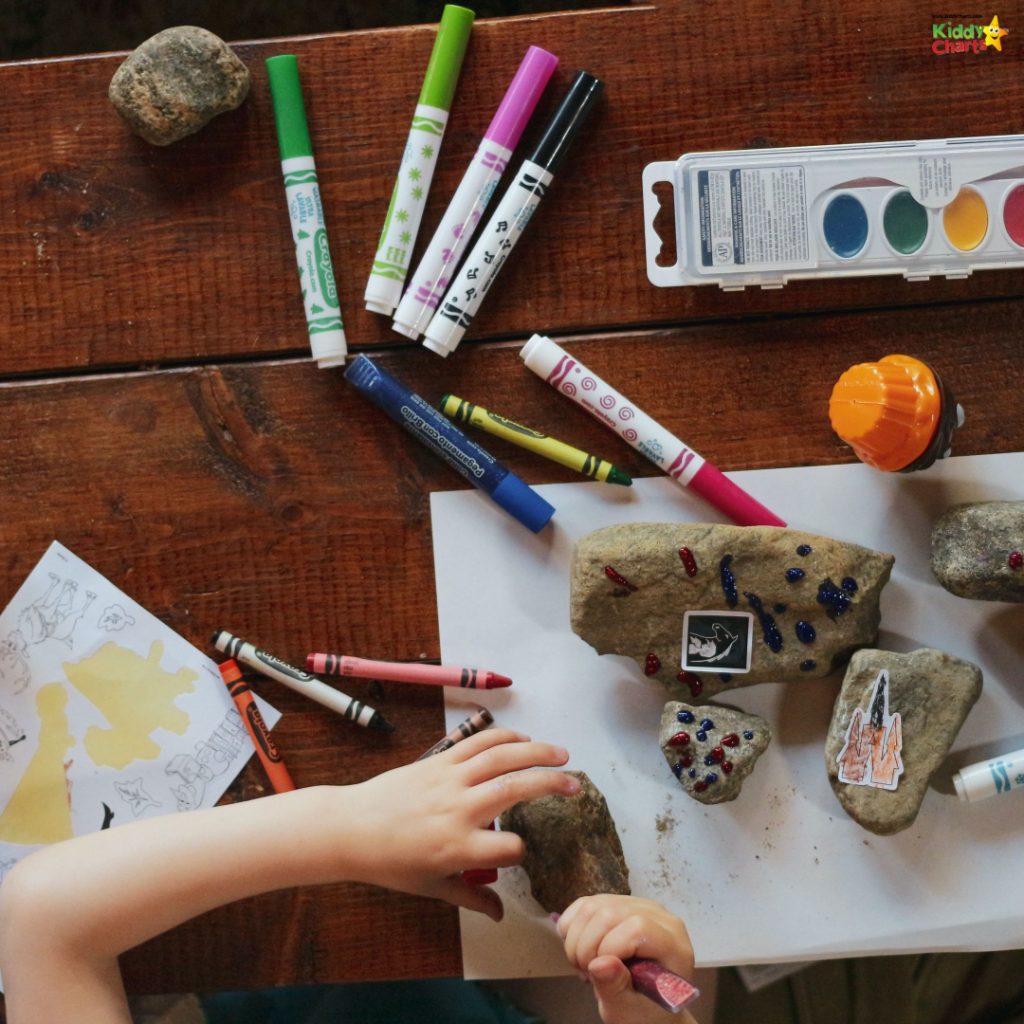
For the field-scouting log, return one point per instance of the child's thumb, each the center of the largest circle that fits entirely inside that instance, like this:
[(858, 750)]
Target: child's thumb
[(610, 978)]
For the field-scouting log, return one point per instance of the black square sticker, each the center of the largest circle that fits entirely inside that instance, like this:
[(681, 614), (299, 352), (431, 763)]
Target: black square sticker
[(717, 641)]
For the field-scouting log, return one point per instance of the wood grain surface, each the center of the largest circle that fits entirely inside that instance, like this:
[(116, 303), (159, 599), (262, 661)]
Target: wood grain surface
[(159, 417)]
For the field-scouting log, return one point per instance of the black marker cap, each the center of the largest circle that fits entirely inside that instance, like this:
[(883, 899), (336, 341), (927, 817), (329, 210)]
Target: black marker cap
[(583, 94)]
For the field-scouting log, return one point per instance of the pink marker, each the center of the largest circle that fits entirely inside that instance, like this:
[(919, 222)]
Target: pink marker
[(405, 672), (669, 990), (633, 425), (441, 258)]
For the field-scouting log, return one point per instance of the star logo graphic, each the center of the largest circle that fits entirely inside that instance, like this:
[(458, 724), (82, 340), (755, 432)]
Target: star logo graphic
[(415, 173), (417, 193), (405, 237), (994, 34), (402, 216), (427, 152)]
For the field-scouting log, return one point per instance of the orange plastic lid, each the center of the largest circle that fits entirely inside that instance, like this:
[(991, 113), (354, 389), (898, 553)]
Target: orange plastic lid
[(887, 412)]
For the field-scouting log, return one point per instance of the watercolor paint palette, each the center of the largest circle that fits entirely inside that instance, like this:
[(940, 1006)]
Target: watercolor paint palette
[(939, 207)]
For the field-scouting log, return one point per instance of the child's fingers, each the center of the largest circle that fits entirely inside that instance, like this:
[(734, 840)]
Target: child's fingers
[(498, 795), (663, 940), (587, 935), (473, 897), (611, 980), (494, 850), (513, 757), (573, 925), (472, 745)]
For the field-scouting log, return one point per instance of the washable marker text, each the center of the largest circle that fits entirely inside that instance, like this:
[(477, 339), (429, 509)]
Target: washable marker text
[(438, 264), (405, 672), (299, 681), (305, 211), (558, 451), (516, 209), (416, 171)]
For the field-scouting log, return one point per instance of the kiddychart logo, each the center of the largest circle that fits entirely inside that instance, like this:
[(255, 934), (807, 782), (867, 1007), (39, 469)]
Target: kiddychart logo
[(955, 34)]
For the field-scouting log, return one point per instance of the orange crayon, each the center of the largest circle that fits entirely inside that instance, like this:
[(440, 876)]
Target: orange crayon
[(266, 750)]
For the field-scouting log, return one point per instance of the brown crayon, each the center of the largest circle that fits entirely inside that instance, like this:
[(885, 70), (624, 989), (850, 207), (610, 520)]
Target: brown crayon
[(266, 749)]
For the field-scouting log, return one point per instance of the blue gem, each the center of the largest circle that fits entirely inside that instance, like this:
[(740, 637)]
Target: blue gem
[(702, 735), (779, 609), (708, 759), (684, 716), (849, 584), (795, 574), (748, 735), (806, 666), (710, 778), (677, 769), (692, 773), (804, 550), (706, 723), (805, 632)]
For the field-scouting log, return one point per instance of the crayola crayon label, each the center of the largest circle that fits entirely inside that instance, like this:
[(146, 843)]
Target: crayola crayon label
[(312, 252)]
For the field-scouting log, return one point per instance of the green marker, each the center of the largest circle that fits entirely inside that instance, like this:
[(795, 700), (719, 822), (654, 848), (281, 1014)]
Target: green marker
[(309, 230), (409, 196)]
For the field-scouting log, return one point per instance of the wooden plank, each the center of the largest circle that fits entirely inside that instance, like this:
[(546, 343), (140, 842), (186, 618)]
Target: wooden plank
[(118, 254)]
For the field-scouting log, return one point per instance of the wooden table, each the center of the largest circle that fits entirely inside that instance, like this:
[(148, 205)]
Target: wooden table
[(160, 416)]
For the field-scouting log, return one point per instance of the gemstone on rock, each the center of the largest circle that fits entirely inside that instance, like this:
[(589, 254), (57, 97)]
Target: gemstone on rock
[(684, 716), (652, 664), (731, 740), (679, 740)]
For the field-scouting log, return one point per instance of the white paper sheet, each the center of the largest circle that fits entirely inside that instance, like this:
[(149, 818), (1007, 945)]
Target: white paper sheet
[(781, 873), (106, 714)]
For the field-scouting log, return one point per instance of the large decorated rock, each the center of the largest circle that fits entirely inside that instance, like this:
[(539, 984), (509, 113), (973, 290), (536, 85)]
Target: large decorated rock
[(711, 749), (572, 848), (705, 608), (978, 550), (894, 721)]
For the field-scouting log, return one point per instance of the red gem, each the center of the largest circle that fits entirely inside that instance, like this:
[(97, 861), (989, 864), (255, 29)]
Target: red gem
[(695, 685), (689, 562), (717, 755), (686, 760), (652, 664), (679, 740), (732, 740), (699, 787), (616, 577), (1016, 560), (727, 767)]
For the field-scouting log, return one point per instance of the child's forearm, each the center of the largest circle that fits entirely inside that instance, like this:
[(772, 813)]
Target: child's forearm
[(104, 893)]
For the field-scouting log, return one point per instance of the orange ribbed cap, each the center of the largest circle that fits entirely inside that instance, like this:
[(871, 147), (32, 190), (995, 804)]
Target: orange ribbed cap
[(888, 411)]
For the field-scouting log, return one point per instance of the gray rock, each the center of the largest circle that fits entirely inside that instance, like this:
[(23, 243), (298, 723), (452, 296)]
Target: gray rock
[(711, 769), (572, 848), (176, 82), (932, 692), (978, 550), (632, 584)]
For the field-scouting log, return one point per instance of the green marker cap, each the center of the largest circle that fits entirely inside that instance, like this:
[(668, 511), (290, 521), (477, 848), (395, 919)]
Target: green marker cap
[(446, 58), (289, 110)]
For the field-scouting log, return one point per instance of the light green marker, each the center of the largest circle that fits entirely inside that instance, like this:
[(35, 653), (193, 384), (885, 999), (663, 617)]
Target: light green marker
[(309, 230), (409, 196)]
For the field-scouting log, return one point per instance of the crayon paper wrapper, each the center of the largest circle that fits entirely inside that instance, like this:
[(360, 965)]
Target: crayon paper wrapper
[(743, 874)]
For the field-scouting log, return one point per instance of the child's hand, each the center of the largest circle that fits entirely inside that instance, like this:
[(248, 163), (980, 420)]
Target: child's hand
[(600, 932), (415, 828)]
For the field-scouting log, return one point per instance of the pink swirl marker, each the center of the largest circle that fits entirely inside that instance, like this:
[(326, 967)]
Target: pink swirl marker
[(647, 436)]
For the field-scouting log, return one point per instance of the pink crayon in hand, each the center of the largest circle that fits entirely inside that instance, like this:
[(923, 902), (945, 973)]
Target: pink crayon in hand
[(669, 990), (405, 672)]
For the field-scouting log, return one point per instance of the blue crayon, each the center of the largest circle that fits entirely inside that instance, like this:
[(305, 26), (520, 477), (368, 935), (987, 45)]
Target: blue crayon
[(443, 438)]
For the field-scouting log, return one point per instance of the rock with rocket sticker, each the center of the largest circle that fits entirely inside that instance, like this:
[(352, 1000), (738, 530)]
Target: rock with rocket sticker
[(894, 721), (706, 607), (711, 749)]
